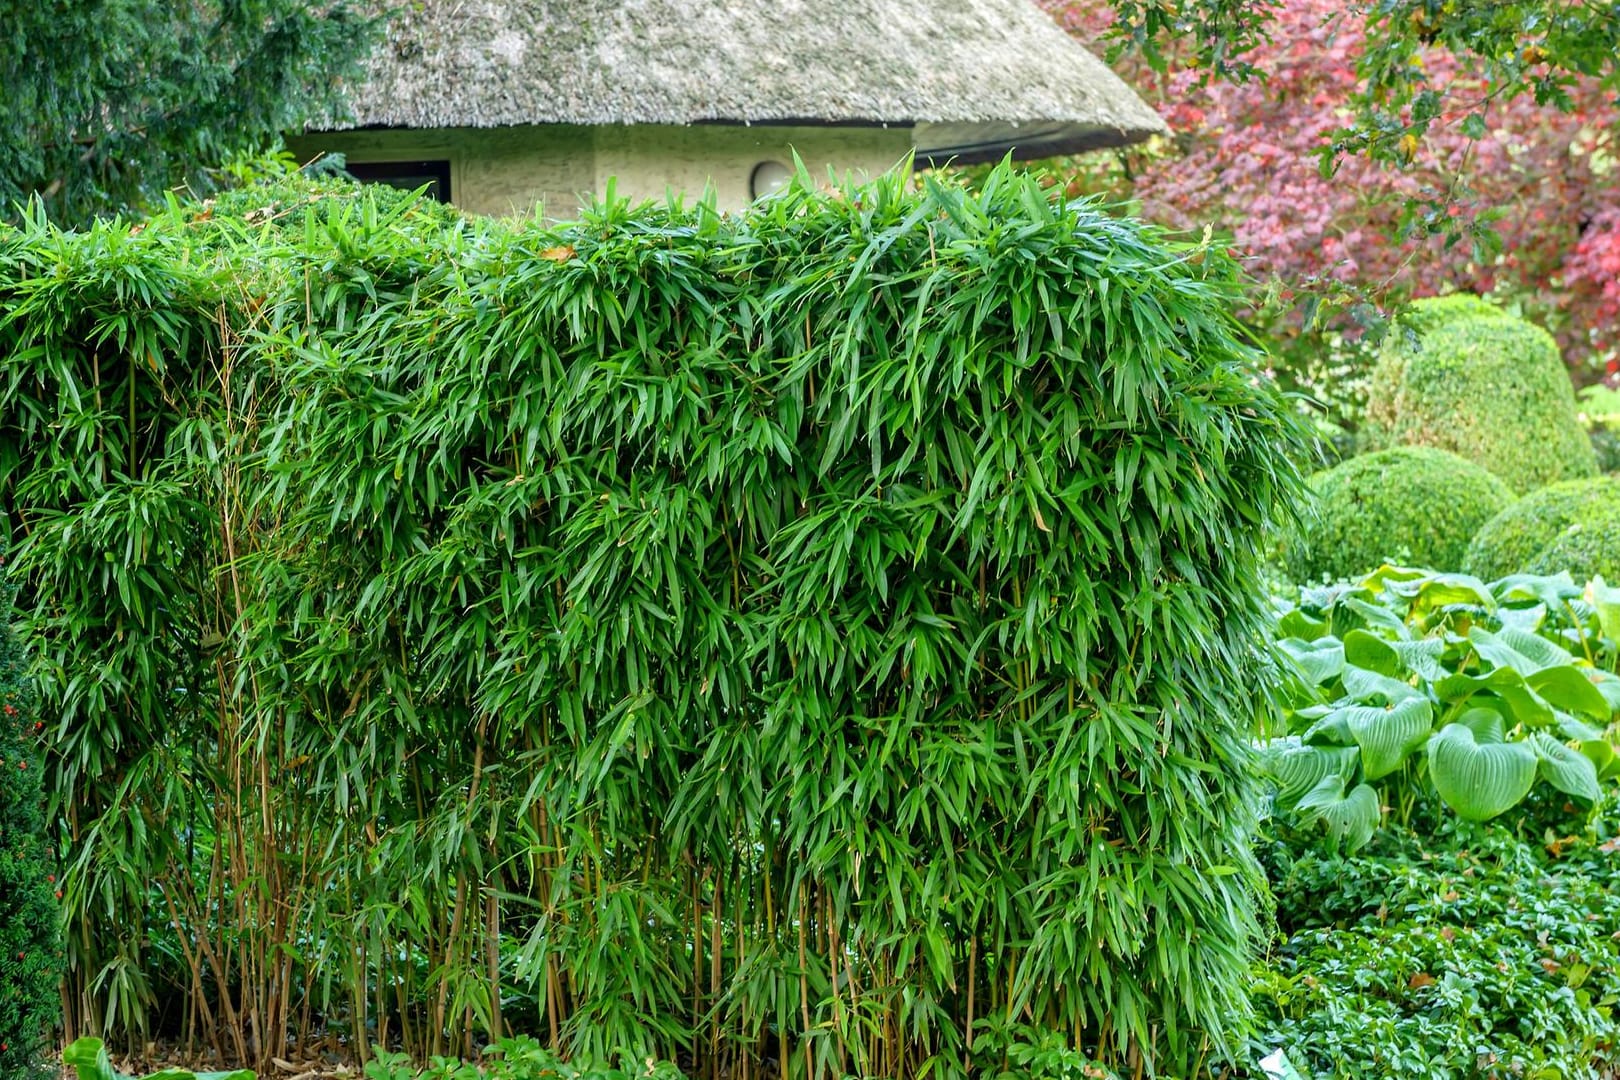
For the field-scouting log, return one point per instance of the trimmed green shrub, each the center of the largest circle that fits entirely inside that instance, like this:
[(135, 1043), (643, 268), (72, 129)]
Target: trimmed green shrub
[(1587, 548), (1512, 541), (1600, 411), (1431, 313), (785, 634), (1606, 448), (1411, 505), (30, 949), (1490, 388)]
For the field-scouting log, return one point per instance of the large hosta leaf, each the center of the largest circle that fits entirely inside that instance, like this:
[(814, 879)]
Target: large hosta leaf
[(1479, 777), (1609, 686), (1297, 768), (1534, 691), (1298, 624), (1316, 661), (1568, 770), (1486, 723), (1439, 592), (1323, 597), (1605, 600), (1512, 648), (1600, 752), (1579, 730), (1550, 590), (1392, 577), (1379, 617), (1331, 730), (1371, 688), (1504, 683), (1567, 687), (1352, 818), (1396, 659), (1387, 735), (1528, 619)]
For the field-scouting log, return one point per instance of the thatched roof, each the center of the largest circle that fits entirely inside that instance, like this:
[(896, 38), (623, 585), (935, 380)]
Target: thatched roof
[(989, 73)]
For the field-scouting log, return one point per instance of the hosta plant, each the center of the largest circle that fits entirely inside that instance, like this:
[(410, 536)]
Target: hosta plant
[(88, 1059), (1412, 679)]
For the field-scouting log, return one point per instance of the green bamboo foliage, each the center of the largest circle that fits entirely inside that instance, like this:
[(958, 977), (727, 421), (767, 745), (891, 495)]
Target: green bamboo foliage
[(815, 642)]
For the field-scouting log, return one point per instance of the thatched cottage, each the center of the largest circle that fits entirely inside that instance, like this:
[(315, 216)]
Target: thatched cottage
[(503, 105)]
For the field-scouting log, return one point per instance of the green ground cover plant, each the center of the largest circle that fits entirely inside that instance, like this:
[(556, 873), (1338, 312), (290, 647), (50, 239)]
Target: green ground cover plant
[(1491, 388), (1513, 542), (30, 942), (1410, 504), (518, 1058), (88, 1059), (1451, 952), (824, 635), (1410, 683)]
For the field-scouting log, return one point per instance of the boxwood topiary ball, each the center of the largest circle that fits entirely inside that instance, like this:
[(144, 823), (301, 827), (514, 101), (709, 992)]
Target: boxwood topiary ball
[(1429, 314), (1587, 548), (1458, 375), (1513, 540), (1412, 505)]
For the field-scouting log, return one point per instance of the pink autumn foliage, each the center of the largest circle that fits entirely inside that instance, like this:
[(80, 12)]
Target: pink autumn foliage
[(1594, 267), (1245, 160)]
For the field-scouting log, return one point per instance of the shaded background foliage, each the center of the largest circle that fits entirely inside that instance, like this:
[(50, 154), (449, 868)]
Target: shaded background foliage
[(110, 102), (30, 942), (820, 640)]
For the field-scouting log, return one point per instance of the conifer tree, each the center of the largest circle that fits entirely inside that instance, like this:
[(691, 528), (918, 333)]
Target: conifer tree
[(107, 103)]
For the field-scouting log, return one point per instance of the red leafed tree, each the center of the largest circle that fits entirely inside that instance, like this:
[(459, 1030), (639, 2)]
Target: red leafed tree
[(1246, 158)]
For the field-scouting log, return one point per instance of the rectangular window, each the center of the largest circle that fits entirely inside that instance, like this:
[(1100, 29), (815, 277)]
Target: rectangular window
[(409, 175)]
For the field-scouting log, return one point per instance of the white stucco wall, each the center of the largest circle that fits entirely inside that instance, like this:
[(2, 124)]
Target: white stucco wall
[(503, 171)]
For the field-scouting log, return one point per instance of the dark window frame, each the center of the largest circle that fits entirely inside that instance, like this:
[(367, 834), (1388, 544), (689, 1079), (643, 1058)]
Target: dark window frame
[(408, 175)]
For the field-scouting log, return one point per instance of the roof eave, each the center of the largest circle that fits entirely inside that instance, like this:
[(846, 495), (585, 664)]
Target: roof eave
[(970, 144)]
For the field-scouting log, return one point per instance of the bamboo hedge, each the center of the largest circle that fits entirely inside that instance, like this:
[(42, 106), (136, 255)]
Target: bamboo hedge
[(812, 642)]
